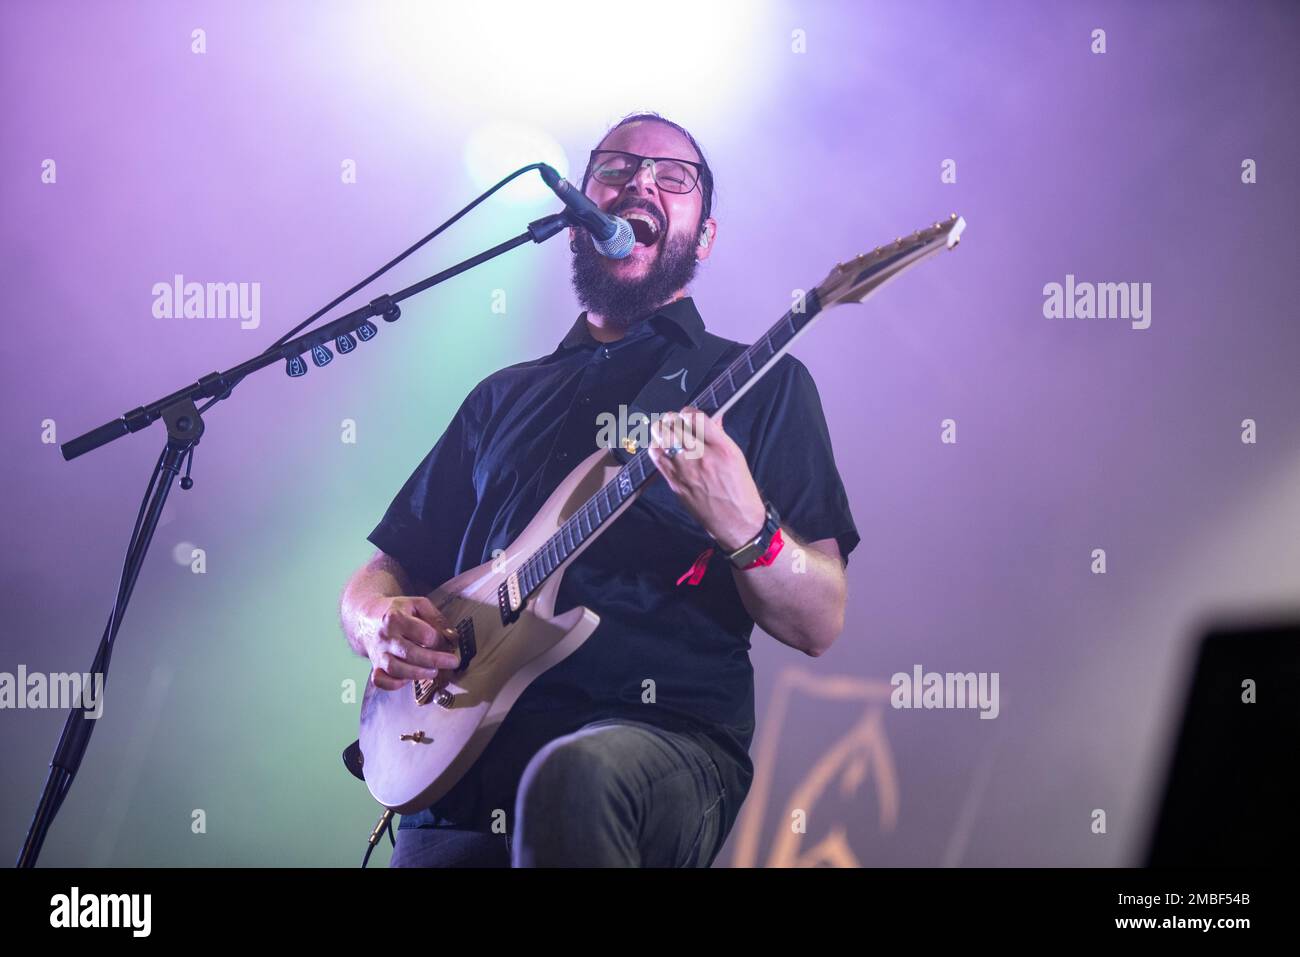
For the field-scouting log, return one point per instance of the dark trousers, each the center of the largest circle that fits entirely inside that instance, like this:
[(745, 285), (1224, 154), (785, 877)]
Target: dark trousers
[(615, 793)]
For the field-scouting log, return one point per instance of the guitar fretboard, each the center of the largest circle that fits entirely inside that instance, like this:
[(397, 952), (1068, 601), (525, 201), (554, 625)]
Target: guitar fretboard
[(737, 378)]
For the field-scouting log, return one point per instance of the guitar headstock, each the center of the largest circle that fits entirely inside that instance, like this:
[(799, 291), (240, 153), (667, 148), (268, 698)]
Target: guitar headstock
[(854, 280)]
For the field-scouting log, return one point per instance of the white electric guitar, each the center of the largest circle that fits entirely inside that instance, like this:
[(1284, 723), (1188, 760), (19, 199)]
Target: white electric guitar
[(418, 741)]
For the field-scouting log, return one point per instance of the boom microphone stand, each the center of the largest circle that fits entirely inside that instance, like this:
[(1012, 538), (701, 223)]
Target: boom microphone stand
[(184, 427)]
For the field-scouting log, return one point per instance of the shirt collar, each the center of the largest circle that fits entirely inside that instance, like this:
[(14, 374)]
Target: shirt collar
[(678, 319)]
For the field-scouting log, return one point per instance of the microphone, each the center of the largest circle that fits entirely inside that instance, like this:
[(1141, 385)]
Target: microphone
[(611, 235)]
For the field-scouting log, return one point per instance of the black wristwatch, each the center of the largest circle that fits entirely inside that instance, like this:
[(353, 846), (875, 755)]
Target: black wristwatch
[(756, 548)]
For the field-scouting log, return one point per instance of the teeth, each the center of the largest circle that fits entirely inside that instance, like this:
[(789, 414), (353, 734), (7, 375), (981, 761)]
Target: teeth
[(648, 220)]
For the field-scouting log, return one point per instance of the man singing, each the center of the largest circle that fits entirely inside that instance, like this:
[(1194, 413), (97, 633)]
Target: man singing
[(633, 751)]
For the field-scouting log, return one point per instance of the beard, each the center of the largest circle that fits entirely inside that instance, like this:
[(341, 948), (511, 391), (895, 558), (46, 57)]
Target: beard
[(624, 302)]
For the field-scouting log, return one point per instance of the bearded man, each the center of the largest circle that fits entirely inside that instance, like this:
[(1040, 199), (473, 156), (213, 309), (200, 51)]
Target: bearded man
[(633, 750)]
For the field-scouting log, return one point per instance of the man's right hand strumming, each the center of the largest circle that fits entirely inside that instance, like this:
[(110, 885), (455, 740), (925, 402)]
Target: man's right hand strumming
[(404, 635), (407, 638)]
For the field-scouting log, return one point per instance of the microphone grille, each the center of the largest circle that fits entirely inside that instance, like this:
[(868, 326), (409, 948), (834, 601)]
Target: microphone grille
[(618, 246)]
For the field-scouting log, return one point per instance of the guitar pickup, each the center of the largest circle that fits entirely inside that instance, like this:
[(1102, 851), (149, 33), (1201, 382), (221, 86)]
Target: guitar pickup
[(510, 599)]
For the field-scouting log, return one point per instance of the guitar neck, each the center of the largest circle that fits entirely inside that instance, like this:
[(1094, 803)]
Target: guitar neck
[(850, 281), (721, 394)]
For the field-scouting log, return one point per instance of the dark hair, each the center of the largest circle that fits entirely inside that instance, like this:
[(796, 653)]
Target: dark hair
[(706, 174)]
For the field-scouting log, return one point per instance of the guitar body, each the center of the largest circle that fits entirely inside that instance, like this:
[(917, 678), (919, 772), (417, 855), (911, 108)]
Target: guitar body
[(414, 752)]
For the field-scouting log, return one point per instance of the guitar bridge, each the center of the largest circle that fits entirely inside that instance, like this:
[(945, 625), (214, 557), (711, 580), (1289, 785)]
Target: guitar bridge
[(466, 648), (465, 645)]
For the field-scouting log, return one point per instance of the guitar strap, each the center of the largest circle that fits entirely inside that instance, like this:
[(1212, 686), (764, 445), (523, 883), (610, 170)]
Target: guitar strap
[(680, 378)]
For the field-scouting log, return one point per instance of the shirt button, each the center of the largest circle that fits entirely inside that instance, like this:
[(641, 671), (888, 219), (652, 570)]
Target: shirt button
[(585, 400), (605, 352), (561, 456)]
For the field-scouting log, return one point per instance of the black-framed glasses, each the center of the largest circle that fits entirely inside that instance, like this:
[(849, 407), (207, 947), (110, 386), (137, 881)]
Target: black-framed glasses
[(615, 168)]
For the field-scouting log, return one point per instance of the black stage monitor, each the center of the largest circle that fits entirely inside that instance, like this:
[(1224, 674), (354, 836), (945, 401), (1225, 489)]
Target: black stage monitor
[(1232, 797)]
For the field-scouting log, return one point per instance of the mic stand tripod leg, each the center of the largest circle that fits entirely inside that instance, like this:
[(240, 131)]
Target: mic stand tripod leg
[(184, 427)]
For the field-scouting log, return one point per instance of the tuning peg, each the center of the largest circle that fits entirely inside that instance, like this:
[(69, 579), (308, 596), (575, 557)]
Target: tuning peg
[(345, 343), (367, 331), (295, 367), (321, 356)]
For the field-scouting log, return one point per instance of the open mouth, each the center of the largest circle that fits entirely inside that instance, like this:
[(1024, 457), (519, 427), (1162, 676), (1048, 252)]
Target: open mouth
[(644, 227)]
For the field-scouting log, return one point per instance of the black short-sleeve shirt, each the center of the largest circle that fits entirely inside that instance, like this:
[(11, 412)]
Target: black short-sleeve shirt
[(511, 442)]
